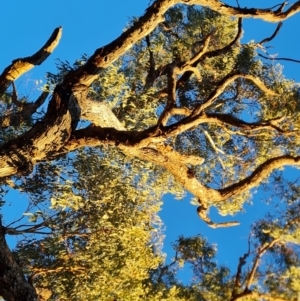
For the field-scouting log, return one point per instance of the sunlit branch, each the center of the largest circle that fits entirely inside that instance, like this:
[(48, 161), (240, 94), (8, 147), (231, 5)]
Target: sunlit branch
[(255, 13), (212, 53), (258, 296), (260, 173), (224, 83), (174, 70), (202, 213), (216, 149), (41, 271), (199, 54), (22, 65), (261, 251)]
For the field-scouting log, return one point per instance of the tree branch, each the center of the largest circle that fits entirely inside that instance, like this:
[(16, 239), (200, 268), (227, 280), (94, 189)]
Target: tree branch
[(272, 36), (279, 58), (26, 111), (256, 13), (260, 173), (262, 250), (22, 65), (226, 81), (202, 213), (238, 275), (228, 119), (212, 53)]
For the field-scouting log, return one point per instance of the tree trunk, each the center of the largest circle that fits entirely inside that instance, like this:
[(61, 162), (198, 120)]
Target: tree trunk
[(13, 285)]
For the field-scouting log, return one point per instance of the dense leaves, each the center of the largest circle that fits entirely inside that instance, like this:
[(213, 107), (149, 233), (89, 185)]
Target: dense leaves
[(177, 103)]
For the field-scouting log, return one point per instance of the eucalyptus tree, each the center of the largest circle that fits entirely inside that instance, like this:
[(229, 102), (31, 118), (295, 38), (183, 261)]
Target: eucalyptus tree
[(101, 235), (180, 83)]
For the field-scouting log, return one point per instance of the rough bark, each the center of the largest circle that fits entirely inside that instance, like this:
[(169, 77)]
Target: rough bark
[(13, 285), (49, 136), (56, 133)]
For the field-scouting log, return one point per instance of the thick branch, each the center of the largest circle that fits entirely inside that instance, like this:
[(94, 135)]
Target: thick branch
[(22, 65), (154, 15), (265, 14), (50, 135), (100, 114)]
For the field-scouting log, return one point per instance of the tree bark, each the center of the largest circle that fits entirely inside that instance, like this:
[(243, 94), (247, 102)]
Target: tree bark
[(13, 285)]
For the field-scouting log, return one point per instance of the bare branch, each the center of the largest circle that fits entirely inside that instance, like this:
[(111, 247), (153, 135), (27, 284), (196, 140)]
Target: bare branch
[(229, 119), (279, 58), (216, 149), (173, 70), (22, 65), (152, 74), (238, 275), (272, 36), (199, 54)]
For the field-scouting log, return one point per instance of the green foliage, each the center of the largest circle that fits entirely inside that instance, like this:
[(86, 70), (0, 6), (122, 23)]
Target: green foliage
[(103, 237), (105, 231)]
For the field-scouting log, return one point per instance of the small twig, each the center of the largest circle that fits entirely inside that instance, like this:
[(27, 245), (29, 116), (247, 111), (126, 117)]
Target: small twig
[(279, 58)]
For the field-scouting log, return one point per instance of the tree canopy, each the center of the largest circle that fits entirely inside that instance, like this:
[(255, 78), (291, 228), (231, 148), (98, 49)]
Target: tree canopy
[(176, 103)]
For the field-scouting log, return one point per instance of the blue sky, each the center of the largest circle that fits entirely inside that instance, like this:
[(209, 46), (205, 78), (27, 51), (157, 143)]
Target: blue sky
[(87, 25)]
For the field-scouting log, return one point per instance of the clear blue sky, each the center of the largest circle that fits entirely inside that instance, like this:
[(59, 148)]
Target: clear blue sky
[(87, 25)]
